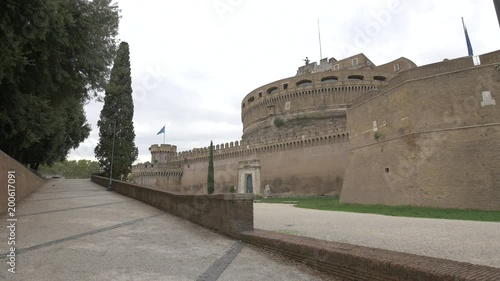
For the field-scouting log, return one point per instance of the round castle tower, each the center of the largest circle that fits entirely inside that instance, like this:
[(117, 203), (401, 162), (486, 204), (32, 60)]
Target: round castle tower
[(162, 153), (317, 96)]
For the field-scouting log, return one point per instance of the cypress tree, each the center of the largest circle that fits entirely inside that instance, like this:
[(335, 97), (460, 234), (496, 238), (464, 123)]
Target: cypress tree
[(118, 107), (210, 180)]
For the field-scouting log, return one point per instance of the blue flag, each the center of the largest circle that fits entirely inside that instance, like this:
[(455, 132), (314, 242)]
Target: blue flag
[(469, 45), (162, 131)]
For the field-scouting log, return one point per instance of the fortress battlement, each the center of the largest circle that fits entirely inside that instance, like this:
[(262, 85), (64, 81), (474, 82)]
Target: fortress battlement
[(236, 149), (163, 148), (158, 166)]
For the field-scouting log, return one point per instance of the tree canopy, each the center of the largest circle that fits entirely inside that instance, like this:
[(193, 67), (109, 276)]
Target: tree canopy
[(81, 169), (117, 116), (55, 56)]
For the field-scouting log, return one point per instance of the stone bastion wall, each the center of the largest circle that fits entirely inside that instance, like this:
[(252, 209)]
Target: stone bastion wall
[(438, 139)]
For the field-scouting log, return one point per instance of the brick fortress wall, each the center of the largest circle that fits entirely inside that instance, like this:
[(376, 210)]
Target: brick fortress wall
[(314, 164), (439, 139)]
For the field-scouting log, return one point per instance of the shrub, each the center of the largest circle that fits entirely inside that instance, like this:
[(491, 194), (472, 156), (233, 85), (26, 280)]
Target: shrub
[(278, 122)]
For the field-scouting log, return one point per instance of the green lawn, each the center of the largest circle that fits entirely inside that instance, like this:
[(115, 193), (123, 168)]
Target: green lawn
[(333, 204)]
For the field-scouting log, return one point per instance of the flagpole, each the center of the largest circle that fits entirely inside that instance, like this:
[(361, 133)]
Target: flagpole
[(164, 133), (467, 40), (319, 36), (497, 7)]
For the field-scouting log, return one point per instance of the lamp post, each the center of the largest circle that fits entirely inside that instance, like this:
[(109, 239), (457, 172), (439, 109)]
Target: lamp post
[(110, 187)]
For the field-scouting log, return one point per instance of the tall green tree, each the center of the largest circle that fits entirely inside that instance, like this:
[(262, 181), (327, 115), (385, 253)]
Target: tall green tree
[(55, 56), (211, 177), (118, 110)]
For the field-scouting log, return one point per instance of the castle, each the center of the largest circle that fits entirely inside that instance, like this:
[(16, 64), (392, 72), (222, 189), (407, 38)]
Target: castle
[(393, 134)]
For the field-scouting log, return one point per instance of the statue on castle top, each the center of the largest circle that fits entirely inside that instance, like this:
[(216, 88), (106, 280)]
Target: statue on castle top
[(306, 60)]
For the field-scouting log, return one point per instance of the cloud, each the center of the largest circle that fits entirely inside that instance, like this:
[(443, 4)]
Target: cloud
[(191, 68)]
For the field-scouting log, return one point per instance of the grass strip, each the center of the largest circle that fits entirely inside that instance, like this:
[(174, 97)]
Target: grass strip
[(333, 204)]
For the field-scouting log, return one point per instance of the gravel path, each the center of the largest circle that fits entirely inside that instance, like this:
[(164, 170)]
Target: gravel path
[(466, 241)]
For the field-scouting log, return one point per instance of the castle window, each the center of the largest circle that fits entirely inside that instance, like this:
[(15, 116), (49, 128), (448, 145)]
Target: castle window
[(336, 67), (272, 90), (270, 109), (355, 77), (379, 78), (330, 79), (303, 83), (285, 86), (355, 61), (396, 67), (260, 94), (387, 170), (251, 99)]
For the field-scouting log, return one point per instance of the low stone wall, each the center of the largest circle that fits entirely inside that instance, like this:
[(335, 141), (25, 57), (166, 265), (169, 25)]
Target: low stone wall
[(228, 213), (25, 180), (350, 262), (232, 214)]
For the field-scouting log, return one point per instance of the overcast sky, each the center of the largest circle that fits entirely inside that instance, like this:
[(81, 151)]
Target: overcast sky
[(193, 61)]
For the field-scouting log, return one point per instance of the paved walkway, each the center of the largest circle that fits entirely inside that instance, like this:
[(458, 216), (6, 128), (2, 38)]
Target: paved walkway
[(467, 241), (75, 230)]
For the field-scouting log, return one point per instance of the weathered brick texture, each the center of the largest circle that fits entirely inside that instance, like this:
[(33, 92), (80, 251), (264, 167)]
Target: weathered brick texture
[(351, 262), (439, 140), (26, 181), (228, 213)]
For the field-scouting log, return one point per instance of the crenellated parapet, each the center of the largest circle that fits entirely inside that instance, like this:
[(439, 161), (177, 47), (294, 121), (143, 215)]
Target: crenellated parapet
[(163, 148), (162, 153), (158, 169), (284, 142), (204, 151)]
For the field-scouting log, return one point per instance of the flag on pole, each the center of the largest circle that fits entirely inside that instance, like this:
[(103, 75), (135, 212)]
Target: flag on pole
[(162, 131), (469, 45), (497, 7)]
